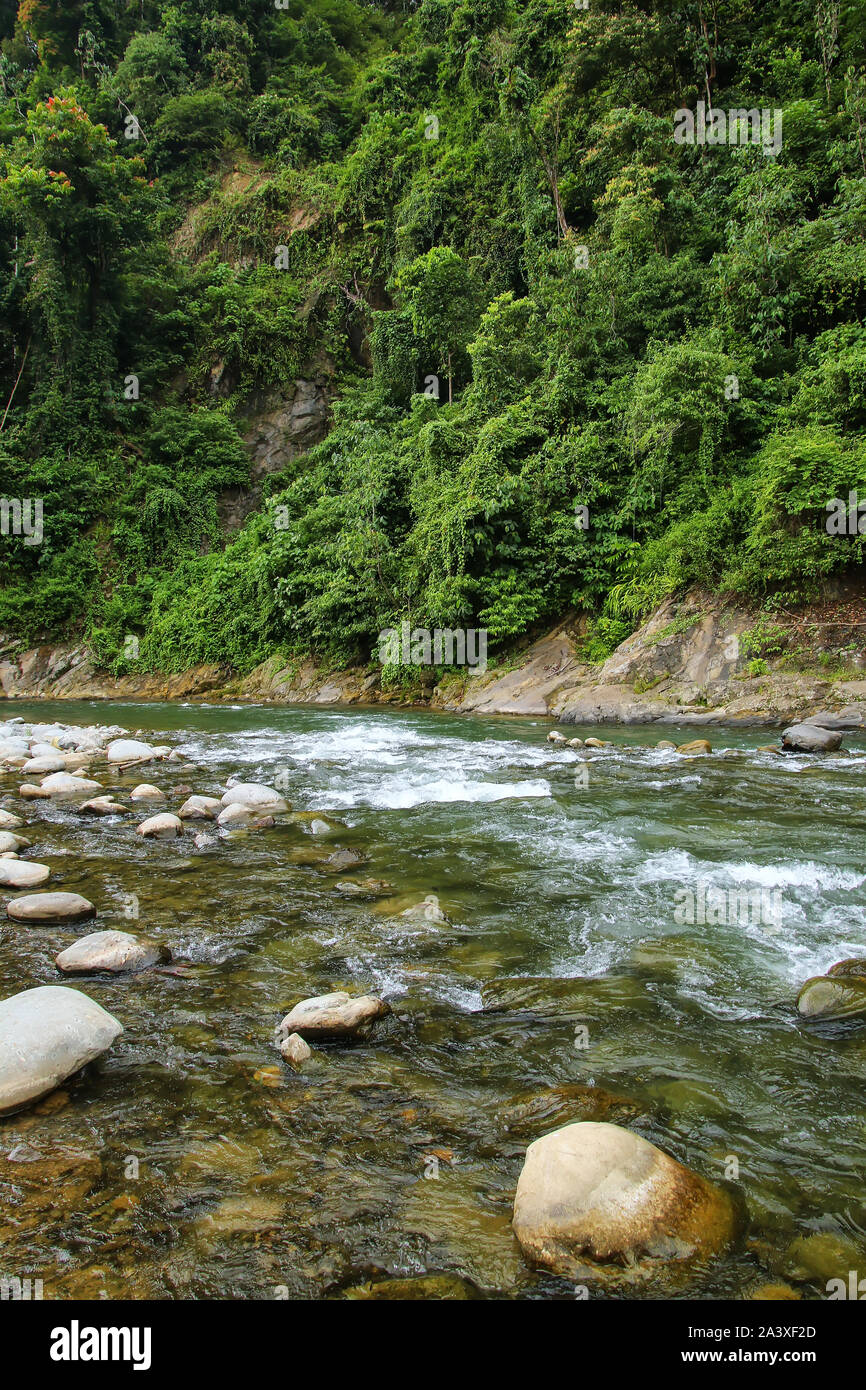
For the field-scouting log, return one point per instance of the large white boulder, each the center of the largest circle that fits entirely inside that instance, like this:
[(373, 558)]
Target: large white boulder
[(597, 1199), (50, 907), (199, 808), (46, 1035)]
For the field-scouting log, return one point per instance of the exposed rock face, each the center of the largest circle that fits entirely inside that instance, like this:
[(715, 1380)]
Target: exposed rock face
[(50, 907), (811, 738), (593, 1198), (113, 951), (46, 1035), (337, 1015), (285, 424)]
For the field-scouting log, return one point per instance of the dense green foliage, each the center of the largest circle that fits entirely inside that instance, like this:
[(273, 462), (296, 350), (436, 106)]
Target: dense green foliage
[(527, 296)]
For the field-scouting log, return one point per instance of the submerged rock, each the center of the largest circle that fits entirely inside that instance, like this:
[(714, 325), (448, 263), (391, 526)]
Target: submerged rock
[(200, 808), (809, 738), (46, 1035), (112, 951), (426, 911), (102, 806), (427, 1287), (593, 1198), (161, 827), (337, 1015), (50, 907), (343, 859), (364, 888), (559, 1105), (295, 1051), (23, 873)]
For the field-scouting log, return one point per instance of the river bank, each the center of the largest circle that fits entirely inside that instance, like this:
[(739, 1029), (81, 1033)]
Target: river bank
[(699, 661)]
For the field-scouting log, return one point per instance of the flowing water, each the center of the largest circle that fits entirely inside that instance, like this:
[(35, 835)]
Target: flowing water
[(191, 1162)]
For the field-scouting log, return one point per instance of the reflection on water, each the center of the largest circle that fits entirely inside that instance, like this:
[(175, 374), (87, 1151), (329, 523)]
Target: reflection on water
[(190, 1162)]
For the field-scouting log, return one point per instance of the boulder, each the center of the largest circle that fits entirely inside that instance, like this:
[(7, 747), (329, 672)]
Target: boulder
[(146, 792), (130, 750), (68, 784), (598, 743), (55, 763), (112, 951), (696, 745), (834, 996), (164, 826), (265, 800), (199, 808), (556, 737), (809, 738), (295, 1051), (239, 817), (23, 873), (46, 1035), (575, 743), (595, 1200), (337, 1015), (666, 743), (31, 792), (8, 821), (10, 841), (50, 907)]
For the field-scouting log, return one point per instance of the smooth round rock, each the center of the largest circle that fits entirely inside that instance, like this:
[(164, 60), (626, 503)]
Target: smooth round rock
[(68, 784), (9, 841), (8, 821), (161, 827), (593, 1198), (666, 743), (832, 997), (46, 1035), (113, 951), (50, 907), (811, 738), (23, 873), (255, 794), (54, 763), (295, 1051), (556, 737), (129, 750), (336, 1015), (146, 792), (697, 745)]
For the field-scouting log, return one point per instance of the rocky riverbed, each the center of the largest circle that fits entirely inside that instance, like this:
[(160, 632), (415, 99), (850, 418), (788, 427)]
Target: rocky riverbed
[(344, 1004)]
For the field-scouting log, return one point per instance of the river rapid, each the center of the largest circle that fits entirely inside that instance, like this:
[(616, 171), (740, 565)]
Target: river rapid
[(191, 1162)]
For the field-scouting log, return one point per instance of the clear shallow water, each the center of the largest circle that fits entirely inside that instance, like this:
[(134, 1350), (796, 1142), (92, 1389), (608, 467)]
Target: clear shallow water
[(562, 902)]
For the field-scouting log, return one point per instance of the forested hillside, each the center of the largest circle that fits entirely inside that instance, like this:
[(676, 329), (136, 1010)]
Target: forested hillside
[(472, 221)]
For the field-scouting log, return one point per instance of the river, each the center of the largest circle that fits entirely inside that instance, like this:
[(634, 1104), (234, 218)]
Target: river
[(203, 1167)]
